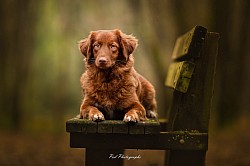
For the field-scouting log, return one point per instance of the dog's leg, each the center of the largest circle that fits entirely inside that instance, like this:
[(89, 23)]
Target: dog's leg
[(149, 103), (151, 114), (90, 113), (151, 108), (147, 97), (135, 114)]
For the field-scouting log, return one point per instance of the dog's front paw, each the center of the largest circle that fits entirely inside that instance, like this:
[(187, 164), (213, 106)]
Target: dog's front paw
[(151, 114), (96, 116), (131, 117), (128, 118), (91, 113)]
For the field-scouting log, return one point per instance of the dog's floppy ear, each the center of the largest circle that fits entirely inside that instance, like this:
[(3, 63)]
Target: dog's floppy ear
[(128, 44), (83, 46)]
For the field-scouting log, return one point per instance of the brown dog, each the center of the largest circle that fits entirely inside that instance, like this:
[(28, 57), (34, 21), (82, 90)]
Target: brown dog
[(112, 88)]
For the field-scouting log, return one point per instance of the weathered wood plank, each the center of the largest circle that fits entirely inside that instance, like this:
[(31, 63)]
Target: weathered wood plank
[(120, 127), (136, 129), (191, 110), (150, 126), (188, 45), (179, 75), (81, 125), (182, 140), (105, 127)]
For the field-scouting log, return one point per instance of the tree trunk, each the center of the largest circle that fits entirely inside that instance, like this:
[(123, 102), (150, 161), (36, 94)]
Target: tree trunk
[(17, 31)]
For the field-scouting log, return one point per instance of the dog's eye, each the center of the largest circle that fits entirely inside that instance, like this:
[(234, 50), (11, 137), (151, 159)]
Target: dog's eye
[(113, 47), (97, 46)]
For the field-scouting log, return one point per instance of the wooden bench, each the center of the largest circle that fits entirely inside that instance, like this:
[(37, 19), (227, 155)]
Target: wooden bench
[(184, 132)]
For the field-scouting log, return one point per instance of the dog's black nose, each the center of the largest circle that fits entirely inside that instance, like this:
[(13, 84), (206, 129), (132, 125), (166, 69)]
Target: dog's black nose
[(102, 60)]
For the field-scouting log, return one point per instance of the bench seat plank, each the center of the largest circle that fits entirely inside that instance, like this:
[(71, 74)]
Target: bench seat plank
[(150, 126), (177, 140)]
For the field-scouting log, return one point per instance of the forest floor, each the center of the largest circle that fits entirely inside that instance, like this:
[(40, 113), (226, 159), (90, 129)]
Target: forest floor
[(227, 147)]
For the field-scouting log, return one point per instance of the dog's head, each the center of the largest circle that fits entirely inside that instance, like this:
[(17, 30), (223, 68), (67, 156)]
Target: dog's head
[(105, 48)]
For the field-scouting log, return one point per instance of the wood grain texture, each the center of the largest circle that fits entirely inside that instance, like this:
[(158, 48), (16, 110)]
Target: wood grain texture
[(188, 45), (191, 110), (150, 126), (179, 75), (179, 140)]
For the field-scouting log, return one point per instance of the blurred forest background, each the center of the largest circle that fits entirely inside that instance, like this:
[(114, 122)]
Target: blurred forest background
[(40, 67)]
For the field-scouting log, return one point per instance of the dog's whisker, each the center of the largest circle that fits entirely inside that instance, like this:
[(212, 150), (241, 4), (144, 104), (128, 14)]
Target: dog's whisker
[(91, 60)]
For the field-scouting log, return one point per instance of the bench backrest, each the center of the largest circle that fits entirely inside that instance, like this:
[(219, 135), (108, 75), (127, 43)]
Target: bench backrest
[(191, 75)]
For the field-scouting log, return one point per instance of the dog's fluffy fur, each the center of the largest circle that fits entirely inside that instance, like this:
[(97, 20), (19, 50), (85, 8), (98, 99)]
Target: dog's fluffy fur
[(112, 88)]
